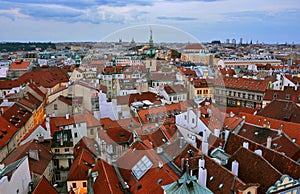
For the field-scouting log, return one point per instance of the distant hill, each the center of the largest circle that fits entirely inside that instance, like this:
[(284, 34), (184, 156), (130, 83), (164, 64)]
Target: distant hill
[(20, 46)]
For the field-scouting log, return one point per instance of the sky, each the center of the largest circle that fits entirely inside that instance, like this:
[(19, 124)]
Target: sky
[(266, 21)]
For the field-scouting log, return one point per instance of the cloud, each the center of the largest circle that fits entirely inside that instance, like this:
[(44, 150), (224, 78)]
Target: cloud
[(176, 18)]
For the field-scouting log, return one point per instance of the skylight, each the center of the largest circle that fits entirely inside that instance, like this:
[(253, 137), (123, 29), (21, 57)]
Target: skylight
[(141, 167)]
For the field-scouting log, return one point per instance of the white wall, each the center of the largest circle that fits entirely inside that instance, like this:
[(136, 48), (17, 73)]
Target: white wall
[(19, 181)]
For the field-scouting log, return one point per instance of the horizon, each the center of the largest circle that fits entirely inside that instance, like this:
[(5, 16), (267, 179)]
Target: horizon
[(268, 21)]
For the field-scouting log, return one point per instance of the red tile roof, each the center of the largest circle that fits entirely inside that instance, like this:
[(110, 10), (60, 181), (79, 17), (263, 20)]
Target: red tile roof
[(36, 166), (7, 130), (47, 79), (281, 110), (195, 46), (9, 84), (294, 95), (17, 116), (116, 135), (282, 163), (242, 83), (82, 163), (149, 182), (128, 99), (107, 180), (88, 144), (175, 89), (251, 164), (289, 128), (44, 187), (19, 65)]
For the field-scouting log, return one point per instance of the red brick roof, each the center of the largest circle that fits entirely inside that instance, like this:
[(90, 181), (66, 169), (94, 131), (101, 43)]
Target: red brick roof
[(202, 83), (148, 183), (36, 166), (19, 65), (44, 187), (242, 83), (80, 166), (116, 135), (225, 71)]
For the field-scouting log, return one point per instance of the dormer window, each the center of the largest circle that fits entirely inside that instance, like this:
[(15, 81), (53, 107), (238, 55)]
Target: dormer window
[(288, 97), (275, 96)]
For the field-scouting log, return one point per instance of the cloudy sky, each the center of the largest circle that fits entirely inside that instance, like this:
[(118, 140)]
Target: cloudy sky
[(268, 21)]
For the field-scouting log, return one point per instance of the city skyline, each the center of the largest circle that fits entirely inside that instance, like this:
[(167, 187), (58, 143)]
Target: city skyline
[(205, 20)]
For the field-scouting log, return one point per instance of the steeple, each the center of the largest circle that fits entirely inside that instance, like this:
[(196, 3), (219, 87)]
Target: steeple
[(151, 40)]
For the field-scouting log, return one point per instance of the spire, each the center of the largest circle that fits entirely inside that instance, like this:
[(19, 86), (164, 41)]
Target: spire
[(151, 40)]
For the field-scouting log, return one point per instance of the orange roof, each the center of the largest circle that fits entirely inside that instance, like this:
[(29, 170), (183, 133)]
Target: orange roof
[(87, 144), (242, 83), (107, 180), (19, 65), (80, 166), (289, 128), (149, 182), (44, 187), (195, 46), (9, 84), (7, 130), (175, 89)]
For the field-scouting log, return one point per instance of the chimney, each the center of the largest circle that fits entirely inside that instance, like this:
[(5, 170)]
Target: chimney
[(226, 134), (201, 162), (246, 145), (181, 142), (67, 116), (258, 152), (202, 176), (235, 167), (48, 124), (204, 147), (34, 154), (269, 142), (217, 132)]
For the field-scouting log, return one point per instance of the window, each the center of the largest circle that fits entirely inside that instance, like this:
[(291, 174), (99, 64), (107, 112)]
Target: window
[(141, 167), (75, 135), (84, 184), (92, 131), (67, 150), (55, 107), (193, 120), (73, 185), (57, 176), (275, 96), (288, 96), (56, 150)]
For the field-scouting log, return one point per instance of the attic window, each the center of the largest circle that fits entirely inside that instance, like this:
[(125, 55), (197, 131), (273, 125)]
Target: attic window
[(141, 167), (288, 97), (211, 178), (256, 133), (275, 96)]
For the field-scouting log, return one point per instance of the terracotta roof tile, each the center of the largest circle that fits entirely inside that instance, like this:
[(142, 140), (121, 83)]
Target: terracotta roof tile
[(80, 166), (44, 187), (7, 130), (9, 84), (149, 182), (289, 128), (251, 164), (294, 95), (242, 83), (128, 99), (175, 89), (16, 115), (87, 144), (19, 65), (107, 180)]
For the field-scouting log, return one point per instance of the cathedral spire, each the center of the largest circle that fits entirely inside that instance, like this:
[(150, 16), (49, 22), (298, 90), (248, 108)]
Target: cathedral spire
[(151, 40)]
